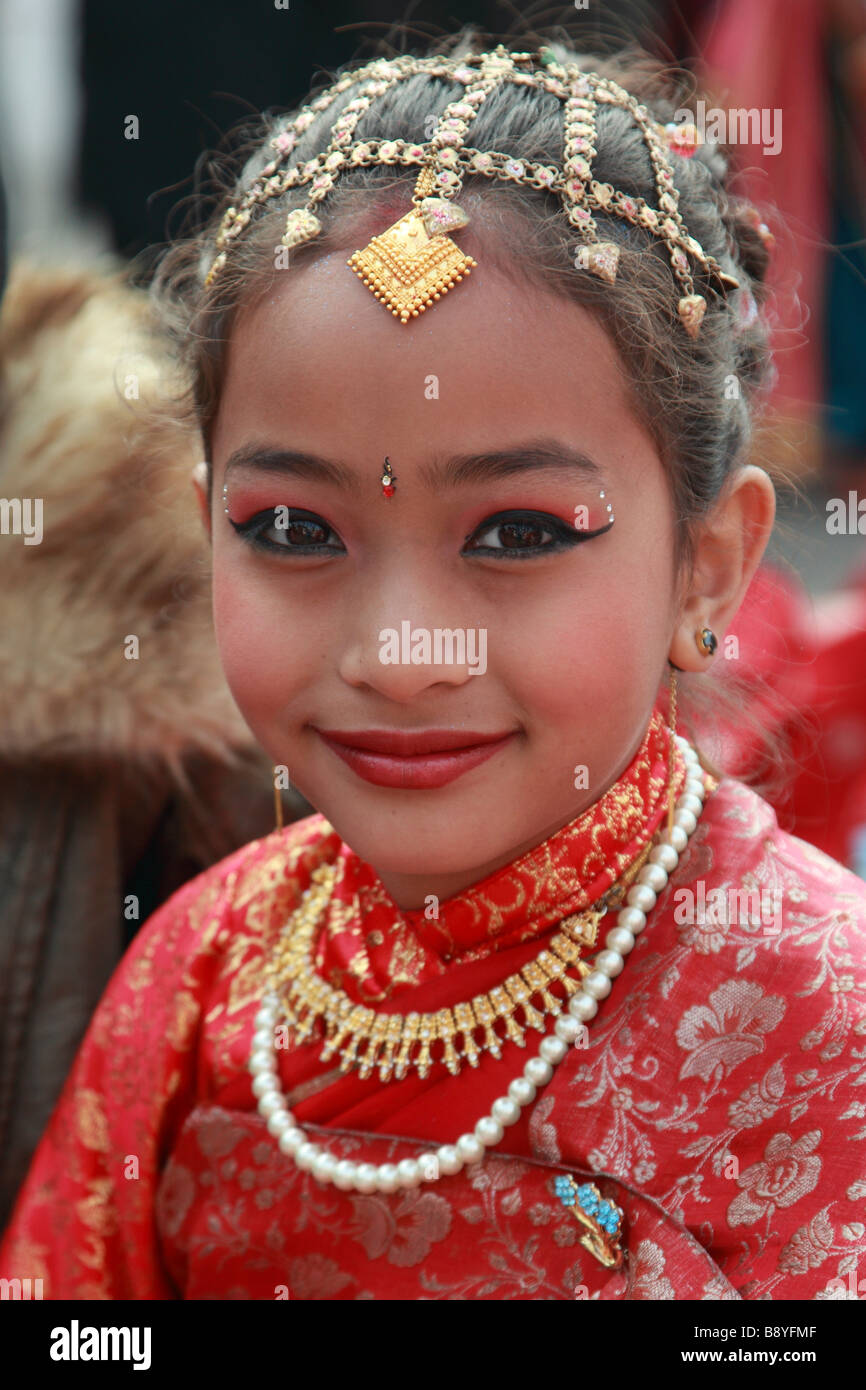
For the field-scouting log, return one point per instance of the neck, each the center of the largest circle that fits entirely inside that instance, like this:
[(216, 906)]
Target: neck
[(411, 892)]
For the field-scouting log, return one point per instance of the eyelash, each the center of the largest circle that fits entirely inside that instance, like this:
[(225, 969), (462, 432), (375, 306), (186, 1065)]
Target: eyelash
[(252, 532), (565, 537)]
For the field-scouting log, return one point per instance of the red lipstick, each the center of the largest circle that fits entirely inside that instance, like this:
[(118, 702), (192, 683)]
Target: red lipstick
[(413, 761)]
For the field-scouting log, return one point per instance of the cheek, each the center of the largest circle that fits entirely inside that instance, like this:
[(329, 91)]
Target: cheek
[(593, 648), (267, 641)]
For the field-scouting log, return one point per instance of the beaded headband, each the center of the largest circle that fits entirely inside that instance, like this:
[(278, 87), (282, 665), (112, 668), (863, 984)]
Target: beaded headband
[(413, 263)]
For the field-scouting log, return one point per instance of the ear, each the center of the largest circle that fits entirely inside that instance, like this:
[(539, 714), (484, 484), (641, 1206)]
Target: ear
[(199, 482), (728, 549)]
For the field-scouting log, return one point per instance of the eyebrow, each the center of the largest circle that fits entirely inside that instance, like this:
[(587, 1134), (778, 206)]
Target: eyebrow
[(439, 474)]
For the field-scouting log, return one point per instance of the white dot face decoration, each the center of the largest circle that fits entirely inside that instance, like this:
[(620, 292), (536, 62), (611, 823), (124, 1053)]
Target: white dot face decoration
[(593, 513)]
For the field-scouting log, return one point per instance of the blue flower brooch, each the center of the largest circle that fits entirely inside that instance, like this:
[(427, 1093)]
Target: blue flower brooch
[(601, 1220)]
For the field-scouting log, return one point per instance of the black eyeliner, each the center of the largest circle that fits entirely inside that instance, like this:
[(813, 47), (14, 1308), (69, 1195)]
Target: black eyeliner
[(565, 536), (252, 529)]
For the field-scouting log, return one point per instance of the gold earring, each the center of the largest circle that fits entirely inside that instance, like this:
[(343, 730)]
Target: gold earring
[(672, 721), (706, 640), (278, 801)]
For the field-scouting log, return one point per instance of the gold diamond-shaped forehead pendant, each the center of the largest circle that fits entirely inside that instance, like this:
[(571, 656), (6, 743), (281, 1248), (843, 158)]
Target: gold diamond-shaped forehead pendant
[(413, 263)]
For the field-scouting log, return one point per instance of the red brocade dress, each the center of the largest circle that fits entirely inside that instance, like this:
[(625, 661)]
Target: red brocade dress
[(720, 1100)]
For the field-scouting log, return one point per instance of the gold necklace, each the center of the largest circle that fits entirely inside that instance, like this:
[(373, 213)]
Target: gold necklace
[(365, 1039)]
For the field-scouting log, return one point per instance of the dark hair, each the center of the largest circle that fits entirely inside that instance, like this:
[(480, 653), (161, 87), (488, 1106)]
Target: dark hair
[(697, 397)]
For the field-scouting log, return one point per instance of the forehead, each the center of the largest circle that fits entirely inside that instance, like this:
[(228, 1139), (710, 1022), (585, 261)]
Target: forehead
[(319, 359)]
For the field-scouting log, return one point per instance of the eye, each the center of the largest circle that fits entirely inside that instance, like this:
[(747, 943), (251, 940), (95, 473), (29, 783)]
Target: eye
[(289, 530), (516, 534)]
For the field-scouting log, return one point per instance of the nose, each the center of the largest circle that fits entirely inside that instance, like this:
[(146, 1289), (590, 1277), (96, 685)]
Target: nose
[(403, 658)]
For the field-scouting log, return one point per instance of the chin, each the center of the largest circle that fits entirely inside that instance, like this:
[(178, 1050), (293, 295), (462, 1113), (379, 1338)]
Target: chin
[(393, 846)]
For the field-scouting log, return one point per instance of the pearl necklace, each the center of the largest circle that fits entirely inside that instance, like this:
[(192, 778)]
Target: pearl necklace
[(583, 1005)]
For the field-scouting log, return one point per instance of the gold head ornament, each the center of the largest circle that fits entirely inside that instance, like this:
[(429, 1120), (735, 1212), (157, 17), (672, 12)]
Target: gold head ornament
[(412, 264)]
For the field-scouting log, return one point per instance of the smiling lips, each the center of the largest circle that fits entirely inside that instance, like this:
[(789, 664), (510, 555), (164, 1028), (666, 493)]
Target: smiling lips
[(412, 761)]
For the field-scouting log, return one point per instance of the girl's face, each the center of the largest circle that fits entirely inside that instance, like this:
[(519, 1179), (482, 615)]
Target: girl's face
[(504, 415)]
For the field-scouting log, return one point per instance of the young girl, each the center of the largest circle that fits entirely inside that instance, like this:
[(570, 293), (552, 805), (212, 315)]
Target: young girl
[(535, 1006)]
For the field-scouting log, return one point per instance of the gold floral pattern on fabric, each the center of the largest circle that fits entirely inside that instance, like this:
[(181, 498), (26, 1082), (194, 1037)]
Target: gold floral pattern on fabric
[(726, 1107), (90, 1122), (494, 1231)]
